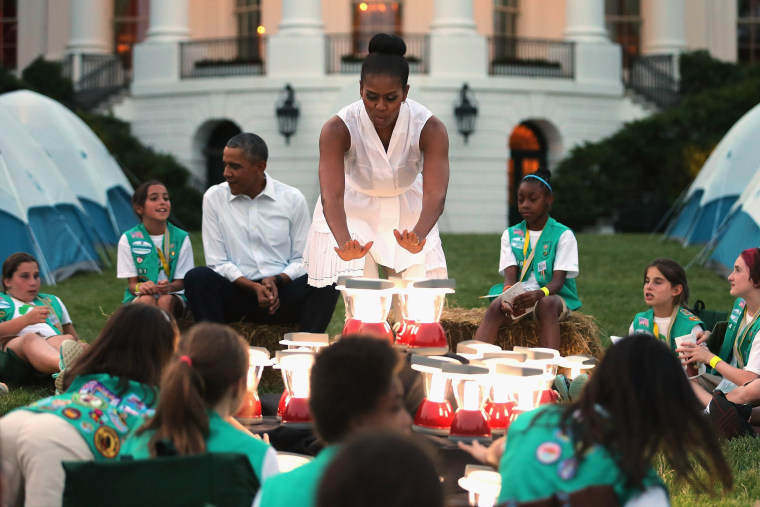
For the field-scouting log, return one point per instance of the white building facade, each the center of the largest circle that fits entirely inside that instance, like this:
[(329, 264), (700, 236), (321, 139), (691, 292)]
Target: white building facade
[(546, 75)]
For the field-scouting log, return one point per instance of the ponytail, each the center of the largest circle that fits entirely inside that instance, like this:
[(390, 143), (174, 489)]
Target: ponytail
[(211, 358)]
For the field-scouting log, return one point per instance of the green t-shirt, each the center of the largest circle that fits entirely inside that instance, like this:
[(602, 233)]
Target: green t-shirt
[(223, 437), (539, 460), (297, 487)]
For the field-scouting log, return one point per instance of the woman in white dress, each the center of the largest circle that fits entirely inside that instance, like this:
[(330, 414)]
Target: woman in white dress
[(383, 176)]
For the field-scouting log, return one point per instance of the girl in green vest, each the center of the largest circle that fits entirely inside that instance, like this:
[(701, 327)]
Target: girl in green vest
[(666, 292), (613, 435), (33, 326), (542, 254), (738, 361), (108, 388), (154, 255), (200, 392)]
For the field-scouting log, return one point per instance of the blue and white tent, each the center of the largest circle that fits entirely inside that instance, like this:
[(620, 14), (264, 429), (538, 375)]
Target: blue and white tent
[(739, 231), (39, 212), (92, 173), (719, 183)]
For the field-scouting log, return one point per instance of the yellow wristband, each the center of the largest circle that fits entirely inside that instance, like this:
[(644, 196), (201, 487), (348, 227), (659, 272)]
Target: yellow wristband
[(545, 291), (137, 287), (714, 361)]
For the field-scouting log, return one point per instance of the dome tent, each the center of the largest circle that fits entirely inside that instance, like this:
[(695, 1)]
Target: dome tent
[(92, 173), (39, 212), (720, 182)]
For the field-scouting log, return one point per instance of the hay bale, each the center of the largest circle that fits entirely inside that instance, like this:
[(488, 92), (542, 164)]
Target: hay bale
[(579, 334)]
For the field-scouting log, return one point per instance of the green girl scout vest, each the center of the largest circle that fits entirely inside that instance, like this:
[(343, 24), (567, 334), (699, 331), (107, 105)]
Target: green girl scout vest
[(7, 308), (735, 342), (539, 459), (100, 412), (681, 324), (543, 260), (145, 255)]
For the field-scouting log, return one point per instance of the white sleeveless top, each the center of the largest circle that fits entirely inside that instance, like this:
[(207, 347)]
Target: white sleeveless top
[(383, 192)]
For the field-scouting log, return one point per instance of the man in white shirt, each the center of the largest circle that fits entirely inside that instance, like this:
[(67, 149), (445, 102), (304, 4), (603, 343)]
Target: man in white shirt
[(254, 232)]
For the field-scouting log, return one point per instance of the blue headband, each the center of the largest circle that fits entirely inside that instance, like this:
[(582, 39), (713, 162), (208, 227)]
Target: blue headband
[(539, 178)]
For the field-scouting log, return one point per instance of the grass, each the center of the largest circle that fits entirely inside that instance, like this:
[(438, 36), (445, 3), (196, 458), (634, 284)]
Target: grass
[(609, 285)]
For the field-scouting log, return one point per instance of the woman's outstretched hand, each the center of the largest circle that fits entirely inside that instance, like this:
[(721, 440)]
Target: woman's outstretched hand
[(352, 249), (409, 240)]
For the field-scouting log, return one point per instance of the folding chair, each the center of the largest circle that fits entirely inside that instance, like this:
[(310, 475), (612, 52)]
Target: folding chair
[(221, 479)]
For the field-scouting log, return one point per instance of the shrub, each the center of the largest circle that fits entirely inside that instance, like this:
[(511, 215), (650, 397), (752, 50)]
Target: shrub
[(47, 78), (636, 174)]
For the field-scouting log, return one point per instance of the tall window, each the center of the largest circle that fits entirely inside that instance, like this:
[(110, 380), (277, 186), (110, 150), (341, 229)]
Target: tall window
[(248, 14), (371, 17), (623, 20), (748, 31), (8, 33), (130, 24), (505, 17)]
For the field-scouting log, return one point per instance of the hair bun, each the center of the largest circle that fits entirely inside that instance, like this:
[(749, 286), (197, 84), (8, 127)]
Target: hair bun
[(387, 43)]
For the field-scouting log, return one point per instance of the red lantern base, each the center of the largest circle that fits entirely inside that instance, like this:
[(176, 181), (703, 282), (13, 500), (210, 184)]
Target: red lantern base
[(404, 331), (433, 417), (281, 404), (296, 413), (548, 396), (470, 425), (428, 338), (250, 409), (376, 329), (500, 415)]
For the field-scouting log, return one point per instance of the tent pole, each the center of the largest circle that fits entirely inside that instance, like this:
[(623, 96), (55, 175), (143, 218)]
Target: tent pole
[(47, 275)]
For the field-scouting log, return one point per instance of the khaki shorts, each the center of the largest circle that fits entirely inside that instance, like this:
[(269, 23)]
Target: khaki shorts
[(564, 314)]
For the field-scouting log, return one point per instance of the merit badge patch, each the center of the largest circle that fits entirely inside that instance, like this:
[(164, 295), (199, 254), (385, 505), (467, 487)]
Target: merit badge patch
[(548, 453), (141, 247), (97, 415), (71, 413), (88, 400), (4, 305), (87, 427), (566, 470), (139, 260), (643, 321), (107, 442)]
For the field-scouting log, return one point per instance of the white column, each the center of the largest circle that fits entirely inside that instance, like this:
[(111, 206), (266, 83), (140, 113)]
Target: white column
[(453, 15), (301, 16), (663, 28), (598, 61), (90, 29), (584, 21), (157, 59), (456, 48), (298, 47), (168, 21)]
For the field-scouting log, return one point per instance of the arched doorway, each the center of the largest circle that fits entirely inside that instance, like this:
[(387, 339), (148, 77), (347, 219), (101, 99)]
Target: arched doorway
[(527, 147), (214, 150)]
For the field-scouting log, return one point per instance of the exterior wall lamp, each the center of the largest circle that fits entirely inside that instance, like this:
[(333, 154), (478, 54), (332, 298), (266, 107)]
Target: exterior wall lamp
[(287, 112), (466, 112)]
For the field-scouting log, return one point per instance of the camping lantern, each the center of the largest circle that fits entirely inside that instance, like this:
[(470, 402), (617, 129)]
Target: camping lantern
[(577, 364), (482, 484), (296, 367), (529, 390), (304, 342), (470, 420), (505, 378), (312, 342), (368, 301), (421, 307), (250, 409), (476, 349), (547, 360), (435, 414)]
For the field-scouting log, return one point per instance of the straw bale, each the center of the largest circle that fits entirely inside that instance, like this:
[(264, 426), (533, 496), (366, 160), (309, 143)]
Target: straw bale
[(579, 334)]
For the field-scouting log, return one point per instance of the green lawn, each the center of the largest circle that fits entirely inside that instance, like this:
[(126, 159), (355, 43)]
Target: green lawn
[(609, 284)]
